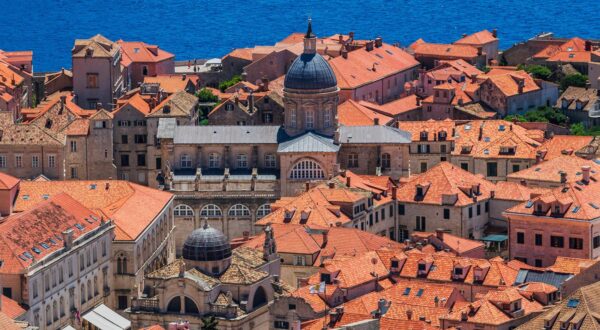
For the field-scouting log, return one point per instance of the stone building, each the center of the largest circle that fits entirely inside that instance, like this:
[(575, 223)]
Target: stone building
[(16, 88), (98, 76), (581, 105), (242, 169), (56, 258), (432, 142), (143, 239), (210, 279), (58, 140), (249, 108)]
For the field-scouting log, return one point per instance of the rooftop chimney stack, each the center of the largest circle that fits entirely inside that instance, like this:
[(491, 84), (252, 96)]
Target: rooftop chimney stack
[(495, 33), (265, 82), (378, 42), (344, 53), (585, 171), (439, 233), (376, 121), (307, 186), (67, 237), (369, 45), (563, 177), (348, 181), (521, 85), (394, 193), (588, 46)]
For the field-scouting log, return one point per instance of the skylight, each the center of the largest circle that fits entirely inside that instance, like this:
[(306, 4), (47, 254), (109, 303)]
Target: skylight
[(36, 250), (406, 291), (576, 209), (44, 245), (79, 226), (573, 303), (529, 204), (420, 292), (594, 205), (486, 139), (501, 128), (28, 255), (26, 197)]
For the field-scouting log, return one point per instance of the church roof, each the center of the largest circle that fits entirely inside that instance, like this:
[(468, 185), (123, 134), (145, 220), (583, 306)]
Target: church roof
[(373, 134), (227, 134), (309, 142)]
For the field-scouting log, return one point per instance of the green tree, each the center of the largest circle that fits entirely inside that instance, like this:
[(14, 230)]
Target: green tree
[(578, 129), (209, 323), (539, 71), (575, 80), (518, 118), (541, 114), (206, 95), (228, 83)]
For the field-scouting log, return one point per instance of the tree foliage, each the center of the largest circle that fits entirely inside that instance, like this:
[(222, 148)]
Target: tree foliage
[(228, 83), (579, 129), (575, 80), (538, 71), (209, 323), (206, 95), (541, 114)]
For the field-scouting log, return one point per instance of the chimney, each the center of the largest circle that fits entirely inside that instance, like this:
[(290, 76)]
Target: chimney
[(474, 78), (325, 238), (521, 85), (341, 38), (394, 193), (265, 82), (348, 181), (98, 105), (439, 233), (369, 45), (351, 35), (376, 121), (418, 102), (538, 157), (183, 76), (307, 186), (246, 235), (107, 186), (480, 132), (479, 51), (409, 314), (63, 101), (251, 102), (331, 184), (563, 177), (244, 76), (495, 33), (585, 171), (588, 46), (67, 237), (492, 194), (344, 53), (378, 42)]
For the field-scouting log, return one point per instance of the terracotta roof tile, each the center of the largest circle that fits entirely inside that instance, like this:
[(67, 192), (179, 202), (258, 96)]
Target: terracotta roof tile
[(10, 307), (141, 52), (172, 83), (478, 38), (549, 171), (396, 107), (445, 50), (7, 181), (560, 145), (352, 113)]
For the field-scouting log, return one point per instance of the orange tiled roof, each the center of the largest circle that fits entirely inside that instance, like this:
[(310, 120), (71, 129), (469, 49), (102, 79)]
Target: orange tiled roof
[(132, 207), (9, 76), (432, 127), (36, 232), (568, 265), (243, 53), (582, 198), (396, 107), (137, 102), (478, 38), (513, 191), (549, 171), (508, 83), (560, 145), (445, 179), (7, 181), (10, 307), (172, 83), (363, 67), (7, 323), (141, 52), (570, 51), (352, 113), (445, 50), (153, 327), (455, 243)]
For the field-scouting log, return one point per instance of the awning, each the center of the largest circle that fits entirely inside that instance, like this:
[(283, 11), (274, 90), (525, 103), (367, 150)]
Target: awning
[(495, 238), (68, 327), (105, 318)]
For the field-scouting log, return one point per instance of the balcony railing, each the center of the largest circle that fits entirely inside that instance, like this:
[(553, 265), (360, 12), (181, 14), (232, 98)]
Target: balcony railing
[(145, 304)]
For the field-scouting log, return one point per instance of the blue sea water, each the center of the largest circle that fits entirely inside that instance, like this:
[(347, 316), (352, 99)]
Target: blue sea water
[(208, 28)]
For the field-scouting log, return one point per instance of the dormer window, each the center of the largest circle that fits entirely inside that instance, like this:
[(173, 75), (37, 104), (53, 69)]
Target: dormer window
[(507, 150), (557, 209), (565, 103), (422, 267), (458, 271), (228, 107), (578, 105), (419, 191), (326, 278), (395, 264)]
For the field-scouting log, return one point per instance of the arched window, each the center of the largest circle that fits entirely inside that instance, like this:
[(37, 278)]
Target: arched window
[(386, 161), (214, 160), (327, 118), (89, 289), (121, 264), (260, 298), (95, 285), (211, 210), (293, 118), (82, 293), (48, 315), (239, 210), (190, 306), (185, 161), (263, 210), (310, 119), (307, 169), (61, 306), (174, 305), (183, 210), (55, 310)]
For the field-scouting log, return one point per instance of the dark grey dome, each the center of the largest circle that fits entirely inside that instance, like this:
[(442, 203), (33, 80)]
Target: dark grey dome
[(206, 244), (310, 71)]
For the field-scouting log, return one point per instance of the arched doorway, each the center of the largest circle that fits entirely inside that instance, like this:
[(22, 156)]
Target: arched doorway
[(260, 298), (190, 306)]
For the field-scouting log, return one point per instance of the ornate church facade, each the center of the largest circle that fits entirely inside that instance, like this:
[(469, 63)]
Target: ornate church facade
[(230, 174)]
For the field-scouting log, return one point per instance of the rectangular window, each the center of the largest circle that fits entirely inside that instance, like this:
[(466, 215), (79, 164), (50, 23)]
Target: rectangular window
[(401, 209), (492, 169), (242, 161), (487, 206), (2, 161), (92, 80), (470, 212), (575, 243), (520, 238), (141, 160), (74, 173), (539, 239), (281, 325), (464, 166), (371, 219), (35, 161), (478, 209), (443, 148), (538, 262), (557, 241), (310, 119), (124, 139), (352, 160), (596, 241), (122, 302), (158, 163), (18, 161), (423, 167), (293, 118), (516, 168), (446, 213), (125, 160), (73, 146), (51, 161), (270, 161), (382, 214), (421, 224), (140, 138)]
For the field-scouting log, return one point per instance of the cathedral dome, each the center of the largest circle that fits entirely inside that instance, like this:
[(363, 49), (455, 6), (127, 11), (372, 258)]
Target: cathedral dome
[(310, 71), (206, 244)]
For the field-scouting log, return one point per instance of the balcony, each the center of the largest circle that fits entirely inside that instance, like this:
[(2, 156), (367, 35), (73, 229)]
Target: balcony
[(145, 305)]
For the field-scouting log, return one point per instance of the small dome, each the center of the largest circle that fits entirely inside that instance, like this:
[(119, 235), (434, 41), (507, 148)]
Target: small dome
[(310, 71), (206, 244)]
